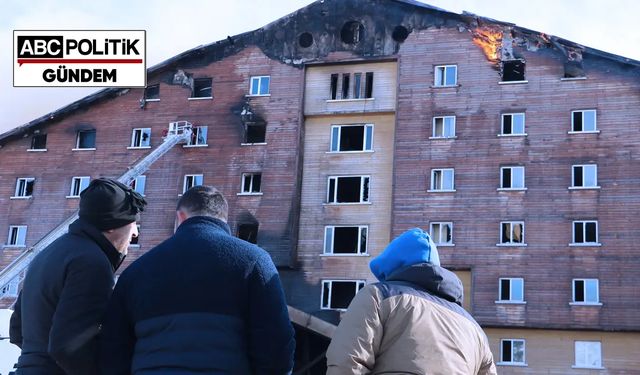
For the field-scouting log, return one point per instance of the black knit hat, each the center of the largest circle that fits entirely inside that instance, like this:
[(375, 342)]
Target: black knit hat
[(109, 204)]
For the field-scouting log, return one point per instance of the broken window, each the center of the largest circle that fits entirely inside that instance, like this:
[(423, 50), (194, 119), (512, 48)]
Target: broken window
[(368, 92), (352, 32), (337, 294), (202, 88), (135, 239), (255, 133), (512, 124), (78, 184), (511, 290), (585, 291), (583, 121), (139, 184), (39, 142), (444, 127), (345, 86), (248, 232), (348, 189), (442, 179), (341, 83), (511, 232), (334, 86), (86, 139), (24, 187), (585, 232), (12, 289), (512, 178), (351, 138), (251, 183), (305, 40), (400, 33), (17, 235), (259, 85), (585, 175), (513, 70), (191, 180), (345, 239), (198, 136), (141, 138), (442, 233), (152, 93), (512, 351), (446, 75), (588, 354)]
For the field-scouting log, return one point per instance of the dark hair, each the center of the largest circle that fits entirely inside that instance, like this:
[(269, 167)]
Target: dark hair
[(204, 201)]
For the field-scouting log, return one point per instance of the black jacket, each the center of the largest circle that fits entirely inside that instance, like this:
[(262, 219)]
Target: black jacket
[(201, 302), (64, 295)]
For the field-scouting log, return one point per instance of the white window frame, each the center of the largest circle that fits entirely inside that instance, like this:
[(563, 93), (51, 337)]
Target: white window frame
[(584, 233), (258, 79), (510, 300), (441, 225), (21, 191), (440, 188), (136, 245), (584, 167), (197, 130), (333, 200), (513, 134), (595, 121), (444, 119), (581, 362), (242, 185), (195, 177), (82, 183), (135, 184), (512, 362), (443, 81), (330, 246), (359, 284), (511, 182), (12, 289), (584, 289), (337, 129), (21, 234), (77, 148), (140, 144), (512, 224)]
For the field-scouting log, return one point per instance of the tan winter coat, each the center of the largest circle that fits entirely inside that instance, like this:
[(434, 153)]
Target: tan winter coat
[(400, 327)]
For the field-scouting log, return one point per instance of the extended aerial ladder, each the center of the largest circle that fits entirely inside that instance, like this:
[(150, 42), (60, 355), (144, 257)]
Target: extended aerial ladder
[(178, 132)]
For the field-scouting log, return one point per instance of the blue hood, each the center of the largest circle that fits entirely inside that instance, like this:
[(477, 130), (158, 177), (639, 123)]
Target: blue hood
[(411, 247)]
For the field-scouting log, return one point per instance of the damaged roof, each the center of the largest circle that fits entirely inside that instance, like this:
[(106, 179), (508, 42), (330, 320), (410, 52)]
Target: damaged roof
[(322, 23)]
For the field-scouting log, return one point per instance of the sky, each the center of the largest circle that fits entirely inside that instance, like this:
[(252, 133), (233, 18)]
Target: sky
[(176, 26)]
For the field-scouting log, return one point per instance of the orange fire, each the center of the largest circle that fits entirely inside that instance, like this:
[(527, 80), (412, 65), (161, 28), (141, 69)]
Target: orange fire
[(489, 40)]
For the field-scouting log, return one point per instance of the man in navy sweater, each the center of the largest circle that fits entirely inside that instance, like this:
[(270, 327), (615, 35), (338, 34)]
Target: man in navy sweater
[(201, 302)]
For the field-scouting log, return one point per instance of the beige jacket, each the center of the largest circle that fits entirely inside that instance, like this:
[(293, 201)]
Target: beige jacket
[(400, 327)]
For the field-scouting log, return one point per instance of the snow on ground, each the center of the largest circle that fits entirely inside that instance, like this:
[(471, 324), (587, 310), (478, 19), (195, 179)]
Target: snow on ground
[(8, 352)]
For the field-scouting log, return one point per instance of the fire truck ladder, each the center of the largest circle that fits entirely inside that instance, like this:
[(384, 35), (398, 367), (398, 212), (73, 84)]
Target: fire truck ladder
[(178, 132)]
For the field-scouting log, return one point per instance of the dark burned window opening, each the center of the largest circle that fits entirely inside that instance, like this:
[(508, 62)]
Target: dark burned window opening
[(39, 142), (86, 139), (340, 86), (513, 70), (152, 92), (345, 240), (337, 294), (305, 40), (248, 232), (348, 189), (255, 133), (202, 88), (345, 138), (400, 34), (352, 32)]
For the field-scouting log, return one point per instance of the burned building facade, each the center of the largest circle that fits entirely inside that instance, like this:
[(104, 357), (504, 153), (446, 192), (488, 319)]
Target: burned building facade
[(339, 126)]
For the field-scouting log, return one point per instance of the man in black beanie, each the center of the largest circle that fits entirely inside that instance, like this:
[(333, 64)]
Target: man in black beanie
[(68, 284)]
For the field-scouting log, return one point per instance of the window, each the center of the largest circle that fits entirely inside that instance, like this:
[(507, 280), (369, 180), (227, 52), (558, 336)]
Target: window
[(511, 290), (259, 85), (346, 138), (39, 142), (86, 140), (198, 136), (78, 184), (512, 124), (24, 187), (583, 121), (442, 233), (337, 294), (511, 232), (512, 178), (141, 138), (341, 87), (17, 235), (588, 354), (348, 189), (248, 232), (586, 291), (513, 70), (444, 127), (135, 239), (255, 133), (139, 184), (446, 75), (442, 180), (191, 180), (251, 183), (585, 176), (345, 239), (202, 88), (585, 232), (12, 289), (152, 93), (512, 351)]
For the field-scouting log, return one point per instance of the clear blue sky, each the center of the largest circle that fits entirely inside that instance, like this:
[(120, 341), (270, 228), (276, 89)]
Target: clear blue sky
[(176, 26)]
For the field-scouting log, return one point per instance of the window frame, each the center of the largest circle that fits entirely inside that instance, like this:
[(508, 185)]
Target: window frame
[(584, 292), (434, 188), (259, 86), (336, 178), (582, 166), (22, 193), (184, 183), (511, 179), (242, 184), (333, 236), (512, 362), (444, 68), (511, 226), (20, 234), (441, 224), (337, 89), (32, 145), (83, 180), (357, 283), (78, 135), (510, 300), (595, 121), (193, 90), (444, 125), (134, 184), (365, 138), (142, 131), (584, 365), (137, 244), (584, 233), (196, 131), (512, 134), (12, 289), (146, 98)]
